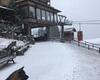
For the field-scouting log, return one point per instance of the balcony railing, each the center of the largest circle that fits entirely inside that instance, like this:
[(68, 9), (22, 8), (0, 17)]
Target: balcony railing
[(61, 20)]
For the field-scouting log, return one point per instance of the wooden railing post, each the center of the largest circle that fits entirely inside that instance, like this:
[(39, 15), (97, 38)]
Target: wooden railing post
[(99, 50), (93, 46), (88, 46), (85, 43), (78, 43)]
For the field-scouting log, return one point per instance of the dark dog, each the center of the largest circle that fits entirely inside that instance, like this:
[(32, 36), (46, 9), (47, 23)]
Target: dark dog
[(18, 75)]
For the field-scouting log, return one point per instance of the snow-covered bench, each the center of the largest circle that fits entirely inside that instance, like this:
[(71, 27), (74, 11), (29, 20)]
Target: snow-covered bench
[(22, 49), (7, 59), (7, 54)]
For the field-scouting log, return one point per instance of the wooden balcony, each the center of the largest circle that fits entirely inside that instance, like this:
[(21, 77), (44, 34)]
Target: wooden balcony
[(61, 20)]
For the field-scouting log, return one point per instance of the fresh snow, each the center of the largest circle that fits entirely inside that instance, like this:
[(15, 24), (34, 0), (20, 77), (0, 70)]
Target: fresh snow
[(56, 61)]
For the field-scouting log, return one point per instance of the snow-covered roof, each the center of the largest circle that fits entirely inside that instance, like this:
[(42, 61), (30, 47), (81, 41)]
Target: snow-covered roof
[(6, 8), (70, 30)]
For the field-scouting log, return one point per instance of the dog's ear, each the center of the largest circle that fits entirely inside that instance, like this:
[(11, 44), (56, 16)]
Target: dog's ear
[(22, 68)]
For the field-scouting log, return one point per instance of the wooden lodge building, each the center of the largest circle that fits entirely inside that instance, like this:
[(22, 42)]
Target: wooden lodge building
[(25, 15)]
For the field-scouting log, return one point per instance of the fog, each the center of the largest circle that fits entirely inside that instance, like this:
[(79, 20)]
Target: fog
[(81, 10)]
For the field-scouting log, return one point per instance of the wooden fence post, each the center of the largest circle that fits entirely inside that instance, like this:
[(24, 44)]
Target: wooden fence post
[(78, 43), (99, 50), (88, 47), (93, 45)]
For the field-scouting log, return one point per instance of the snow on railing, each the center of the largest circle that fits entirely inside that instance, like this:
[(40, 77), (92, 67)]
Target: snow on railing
[(88, 45)]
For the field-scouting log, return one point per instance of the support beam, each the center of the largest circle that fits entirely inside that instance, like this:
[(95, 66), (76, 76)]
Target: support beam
[(48, 31), (62, 33), (29, 30)]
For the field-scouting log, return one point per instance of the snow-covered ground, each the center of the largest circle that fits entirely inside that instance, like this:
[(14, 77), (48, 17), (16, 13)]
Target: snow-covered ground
[(56, 61)]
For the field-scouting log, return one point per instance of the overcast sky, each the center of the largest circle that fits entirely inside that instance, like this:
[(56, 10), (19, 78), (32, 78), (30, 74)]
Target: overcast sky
[(79, 9)]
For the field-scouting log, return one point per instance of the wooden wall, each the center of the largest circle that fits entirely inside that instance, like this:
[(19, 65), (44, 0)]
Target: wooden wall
[(5, 2)]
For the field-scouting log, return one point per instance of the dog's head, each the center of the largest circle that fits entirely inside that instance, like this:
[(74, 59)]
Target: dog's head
[(18, 75)]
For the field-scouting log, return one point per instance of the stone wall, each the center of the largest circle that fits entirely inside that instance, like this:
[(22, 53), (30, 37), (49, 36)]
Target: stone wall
[(54, 33)]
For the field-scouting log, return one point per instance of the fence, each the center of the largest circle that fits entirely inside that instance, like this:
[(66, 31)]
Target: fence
[(88, 45)]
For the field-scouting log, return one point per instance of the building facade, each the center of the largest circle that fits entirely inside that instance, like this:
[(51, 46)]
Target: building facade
[(35, 14)]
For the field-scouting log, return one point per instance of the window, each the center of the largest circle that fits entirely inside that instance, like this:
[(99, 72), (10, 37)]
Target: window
[(43, 15), (51, 14), (38, 13), (55, 17), (31, 12), (48, 16)]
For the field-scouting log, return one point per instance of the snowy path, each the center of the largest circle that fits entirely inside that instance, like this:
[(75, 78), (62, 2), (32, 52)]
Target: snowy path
[(57, 61)]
